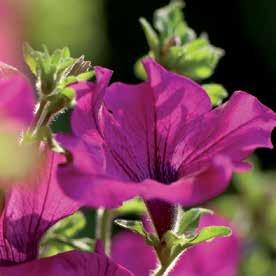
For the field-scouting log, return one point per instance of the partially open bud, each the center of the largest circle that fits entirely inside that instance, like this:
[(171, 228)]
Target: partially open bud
[(79, 67)]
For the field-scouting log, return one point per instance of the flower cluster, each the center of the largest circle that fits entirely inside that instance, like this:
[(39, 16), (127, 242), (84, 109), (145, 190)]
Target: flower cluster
[(156, 150), (159, 140)]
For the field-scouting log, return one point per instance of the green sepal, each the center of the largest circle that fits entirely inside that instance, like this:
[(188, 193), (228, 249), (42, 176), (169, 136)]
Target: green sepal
[(139, 69), (209, 233), (30, 58), (172, 246), (53, 71), (62, 100), (134, 206), (216, 92), (169, 21), (64, 236), (188, 221), (179, 49), (151, 36), (197, 59), (86, 76), (137, 227)]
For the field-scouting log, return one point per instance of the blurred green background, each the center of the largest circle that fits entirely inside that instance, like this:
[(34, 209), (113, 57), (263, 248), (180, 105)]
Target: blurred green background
[(109, 34)]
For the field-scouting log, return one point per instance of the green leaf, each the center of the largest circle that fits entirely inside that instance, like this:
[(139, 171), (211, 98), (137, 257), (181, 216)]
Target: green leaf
[(86, 76), (188, 221), (139, 68), (69, 93), (53, 71), (137, 227), (172, 245), (210, 232), (64, 236), (151, 36), (170, 23), (179, 49), (196, 59), (133, 206), (71, 225), (30, 58), (216, 92), (70, 80)]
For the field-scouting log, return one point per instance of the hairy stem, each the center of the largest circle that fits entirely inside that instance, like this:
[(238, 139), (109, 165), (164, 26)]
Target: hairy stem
[(160, 271), (165, 217)]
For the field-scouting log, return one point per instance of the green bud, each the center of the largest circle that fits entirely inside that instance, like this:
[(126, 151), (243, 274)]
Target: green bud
[(175, 45), (216, 92)]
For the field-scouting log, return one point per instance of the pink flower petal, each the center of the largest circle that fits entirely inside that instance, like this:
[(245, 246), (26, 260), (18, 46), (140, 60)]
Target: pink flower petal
[(30, 209), (68, 264), (17, 95), (160, 140)]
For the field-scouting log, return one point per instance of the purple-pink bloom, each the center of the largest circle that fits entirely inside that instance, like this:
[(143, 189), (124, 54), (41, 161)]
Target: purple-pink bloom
[(159, 140), (68, 264), (17, 96), (29, 209), (218, 257)]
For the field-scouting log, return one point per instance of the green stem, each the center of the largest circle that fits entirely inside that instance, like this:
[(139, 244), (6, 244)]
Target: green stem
[(104, 228), (161, 271), (41, 117), (164, 217)]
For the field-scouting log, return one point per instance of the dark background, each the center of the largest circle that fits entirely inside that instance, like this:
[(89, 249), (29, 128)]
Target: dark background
[(245, 29)]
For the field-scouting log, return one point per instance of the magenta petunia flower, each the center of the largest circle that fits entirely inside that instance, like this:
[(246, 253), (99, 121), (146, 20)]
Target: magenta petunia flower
[(159, 140), (69, 264), (16, 113), (28, 209), (17, 96), (216, 258)]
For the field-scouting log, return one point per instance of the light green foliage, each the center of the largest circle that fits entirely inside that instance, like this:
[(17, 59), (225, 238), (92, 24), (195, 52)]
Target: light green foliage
[(133, 225), (216, 92), (175, 45), (196, 59), (137, 227), (173, 244), (134, 206), (169, 247), (188, 221), (170, 23), (55, 71), (64, 236), (209, 233)]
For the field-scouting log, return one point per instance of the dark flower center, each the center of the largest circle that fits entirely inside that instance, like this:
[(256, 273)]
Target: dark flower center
[(165, 173)]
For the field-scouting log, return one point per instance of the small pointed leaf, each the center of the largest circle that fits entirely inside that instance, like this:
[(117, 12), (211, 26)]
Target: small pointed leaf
[(189, 220), (29, 57), (209, 233), (133, 206), (216, 93), (134, 225), (151, 36)]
